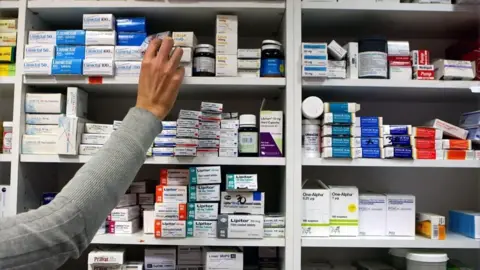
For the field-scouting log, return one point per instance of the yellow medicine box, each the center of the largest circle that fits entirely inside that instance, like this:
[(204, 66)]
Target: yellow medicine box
[(8, 39), (8, 25), (7, 70), (431, 226), (7, 54)]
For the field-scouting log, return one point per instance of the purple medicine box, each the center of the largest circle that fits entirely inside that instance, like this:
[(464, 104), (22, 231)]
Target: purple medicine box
[(271, 133)]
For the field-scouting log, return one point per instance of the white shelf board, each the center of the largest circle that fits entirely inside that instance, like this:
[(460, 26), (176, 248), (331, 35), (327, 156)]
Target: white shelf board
[(392, 163), (148, 239), (5, 157), (241, 161), (192, 85), (452, 241), (8, 5), (436, 20), (7, 80)]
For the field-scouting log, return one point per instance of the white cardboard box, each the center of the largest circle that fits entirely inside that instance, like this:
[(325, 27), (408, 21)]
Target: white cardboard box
[(99, 139), (252, 202), (98, 22), (170, 229), (343, 211), (125, 213), (39, 144), (127, 200), (160, 258), (77, 102), (88, 149), (170, 211), (217, 258), (400, 215), (94, 128), (99, 52), (124, 227), (148, 222), (240, 226), (372, 214), (316, 210), (352, 60), (106, 257), (189, 255), (44, 103)]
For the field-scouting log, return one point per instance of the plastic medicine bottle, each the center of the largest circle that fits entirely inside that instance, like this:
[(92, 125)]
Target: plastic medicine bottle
[(204, 60), (273, 60), (248, 136)]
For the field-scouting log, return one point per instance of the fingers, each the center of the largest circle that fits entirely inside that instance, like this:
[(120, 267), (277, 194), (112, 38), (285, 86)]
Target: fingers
[(165, 50), (174, 61), (175, 82), (152, 49)]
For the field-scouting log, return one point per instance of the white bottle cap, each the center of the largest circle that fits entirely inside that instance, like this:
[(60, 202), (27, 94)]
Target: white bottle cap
[(248, 120), (312, 107), (7, 124)]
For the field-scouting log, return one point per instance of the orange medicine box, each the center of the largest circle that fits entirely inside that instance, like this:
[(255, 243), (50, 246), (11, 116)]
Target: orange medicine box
[(431, 226), (457, 144), (171, 194), (430, 144), (428, 154), (170, 229), (427, 133), (174, 177), (459, 155)]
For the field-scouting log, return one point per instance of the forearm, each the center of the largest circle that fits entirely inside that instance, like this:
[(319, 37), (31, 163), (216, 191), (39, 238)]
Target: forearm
[(45, 238)]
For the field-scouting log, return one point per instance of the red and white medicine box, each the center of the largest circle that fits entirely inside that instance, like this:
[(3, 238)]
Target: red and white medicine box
[(420, 57)]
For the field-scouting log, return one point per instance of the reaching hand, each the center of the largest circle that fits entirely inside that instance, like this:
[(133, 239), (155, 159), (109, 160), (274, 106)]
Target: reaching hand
[(160, 77)]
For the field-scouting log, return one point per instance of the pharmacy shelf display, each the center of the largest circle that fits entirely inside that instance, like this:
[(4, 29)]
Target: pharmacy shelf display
[(472, 164)]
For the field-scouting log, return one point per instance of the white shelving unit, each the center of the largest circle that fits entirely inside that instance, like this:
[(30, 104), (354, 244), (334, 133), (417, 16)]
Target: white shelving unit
[(439, 185)]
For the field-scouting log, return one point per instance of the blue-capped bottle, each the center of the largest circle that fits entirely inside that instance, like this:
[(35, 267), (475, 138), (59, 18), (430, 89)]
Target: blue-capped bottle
[(273, 59)]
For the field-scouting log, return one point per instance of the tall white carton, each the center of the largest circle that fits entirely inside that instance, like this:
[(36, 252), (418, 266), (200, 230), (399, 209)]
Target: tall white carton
[(316, 210), (352, 60), (343, 211), (70, 130), (372, 215), (400, 215), (77, 102)]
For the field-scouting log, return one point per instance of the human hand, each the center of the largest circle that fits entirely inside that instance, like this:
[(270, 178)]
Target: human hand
[(160, 77)]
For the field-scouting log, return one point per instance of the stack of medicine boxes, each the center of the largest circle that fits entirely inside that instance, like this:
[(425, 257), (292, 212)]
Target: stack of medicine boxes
[(164, 143), (203, 198), (229, 135), (249, 63), (314, 60), (242, 208), (397, 142), (8, 43), (186, 142), (209, 133), (125, 218), (226, 46), (187, 41), (171, 204), (39, 53), (424, 143), (274, 226), (346, 136), (337, 67), (189, 257), (100, 41), (95, 136), (128, 54)]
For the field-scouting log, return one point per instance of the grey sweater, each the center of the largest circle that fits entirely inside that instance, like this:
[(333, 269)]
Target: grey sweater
[(47, 237)]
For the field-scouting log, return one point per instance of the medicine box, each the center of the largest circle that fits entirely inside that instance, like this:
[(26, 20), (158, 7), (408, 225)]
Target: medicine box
[(209, 134), (8, 39), (448, 129), (204, 193), (240, 226), (315, 71), (372, 215), (100, 52), (124, 214), (221, 258), (226, 24), (146, 198), (70, 129), (248, 64), (400, 215), (70, 37), (77, 102), (36, 66), (352, 59), (184, 39), (127, 200), (228, 152), (249, 53), (185, 151), (148, 221), (141, 187), (211, 107), (205, 175), (242, 202), (131, 39), (274, 232), (42, 37), (41, 129), (189, 255), (101, 38), (44, 103), (100, 139), (8, 25), (171, 211), (226, 65), (88, 149), (170, 229), (314, 48), (202, 211), (431, 226), (188, 114), (171, 194), (242, 182), (202, 228), (40, 51), (106, 257), (316, 209), (248, 73), (188, 67), (128, 53), (39, 144), (98, 22), (160, 258), (98, 128), (64, 52), (343, 211), (128, 68), (271, 133), (42, 119), (67, 67), (466, 223), (136, 24), (274, 221), (174, 177), (337, 51), (98, 67), (124, 227), (453, 70)]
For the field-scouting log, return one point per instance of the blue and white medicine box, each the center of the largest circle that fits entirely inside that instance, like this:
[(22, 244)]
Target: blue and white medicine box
[(137, 24), (466, 223), (70, 52), (67, 67), (70, 37), (131, 39)]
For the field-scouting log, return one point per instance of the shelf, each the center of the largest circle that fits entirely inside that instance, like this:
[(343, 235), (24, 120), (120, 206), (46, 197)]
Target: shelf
[(418, 20), (148, 239), (7, 83), (191, 85), (452, 241), (243, 161), (5, 157), (8, 5), (474, 164), (371, 88)]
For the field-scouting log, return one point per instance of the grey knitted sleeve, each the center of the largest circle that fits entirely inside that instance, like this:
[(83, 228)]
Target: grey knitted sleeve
[(48, 236)]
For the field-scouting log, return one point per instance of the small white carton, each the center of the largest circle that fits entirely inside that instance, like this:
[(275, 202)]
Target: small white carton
[(99, 52), (274, 232), (128, 53), (352, 60), (42, 119), (171, 211), (274, 221), (39, 144), (242, 203), (124, 227), (37, 66), (98, 66), (226, 65), (98, 22), (171, 194), (174, 177), (148, 222), (41, 129), (160, 258), (202, 211), (372, 214), (202, 228), (316, 210), (204, 193), (42, 37), (124, 214), (101, 38), (343, 211), (127, 200), (128, 68), (170, 229), (44, 103), (227, 24), (184, 39), (222, 258), (46, 51), (189, 255), (77, 102), (94, 128), (106, 257), (205, 175), (146, 198), (242, 182), (69, 131), (100, 139), (240, 226), (400, 215), (89, 149)]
